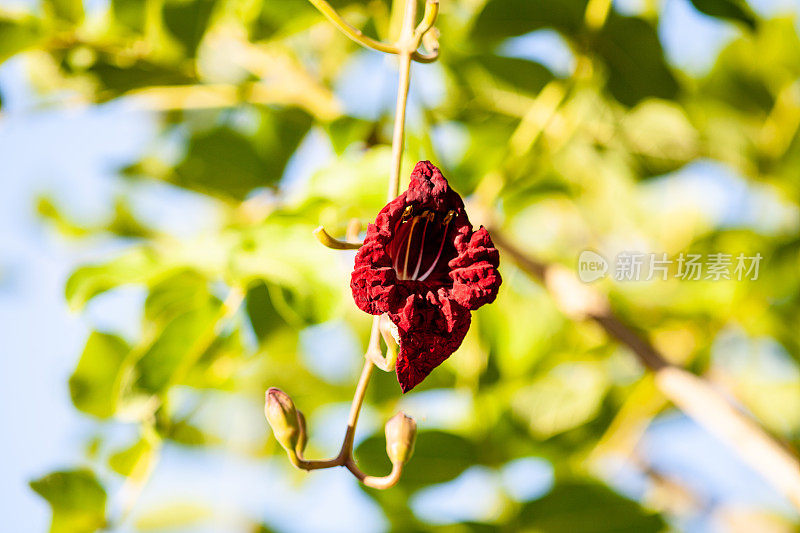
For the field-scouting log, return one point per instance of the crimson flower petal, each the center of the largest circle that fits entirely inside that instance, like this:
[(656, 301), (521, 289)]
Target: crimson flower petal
[(423, 264)]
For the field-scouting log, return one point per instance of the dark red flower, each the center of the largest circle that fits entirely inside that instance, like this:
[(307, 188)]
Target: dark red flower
[(424, 265)]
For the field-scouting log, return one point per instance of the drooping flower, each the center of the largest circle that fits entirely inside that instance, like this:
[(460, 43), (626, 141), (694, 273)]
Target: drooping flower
[(423, 265)]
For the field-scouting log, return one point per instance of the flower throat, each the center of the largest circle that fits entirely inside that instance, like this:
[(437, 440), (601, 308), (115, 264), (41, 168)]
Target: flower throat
[(416, 237)]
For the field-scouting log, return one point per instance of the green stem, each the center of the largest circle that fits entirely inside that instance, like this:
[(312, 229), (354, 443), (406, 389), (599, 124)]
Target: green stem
[(407, 43), (406, 47), (354, 33)]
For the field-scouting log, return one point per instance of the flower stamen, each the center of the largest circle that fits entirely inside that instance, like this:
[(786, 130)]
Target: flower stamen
[(446, 222), (428, 215), (408, 246)]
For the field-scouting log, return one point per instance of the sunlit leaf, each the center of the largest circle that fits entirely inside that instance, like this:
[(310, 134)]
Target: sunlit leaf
[(17, 35), (68, 10), (184, 433), (305, 281), (661, 135), (187, 21), (95, 385), (177, 347), (88, 281), (130, 13), (174, 294), (566, 397), (173, 516), (136, 460), (77, 499)]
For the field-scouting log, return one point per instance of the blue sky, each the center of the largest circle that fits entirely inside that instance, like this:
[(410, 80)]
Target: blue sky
[(71, 154)]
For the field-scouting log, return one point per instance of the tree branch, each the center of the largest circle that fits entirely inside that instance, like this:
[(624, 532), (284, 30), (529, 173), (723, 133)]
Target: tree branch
[(696, 397)]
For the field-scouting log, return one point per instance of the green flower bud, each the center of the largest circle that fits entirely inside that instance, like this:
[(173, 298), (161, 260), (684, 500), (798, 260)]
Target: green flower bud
[(284, 420), (401, 432)]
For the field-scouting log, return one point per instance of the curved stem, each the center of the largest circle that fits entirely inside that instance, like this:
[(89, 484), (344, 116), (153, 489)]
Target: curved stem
[(429, 17), (381, 483), (325, 238), (358, 398), (354, 33)]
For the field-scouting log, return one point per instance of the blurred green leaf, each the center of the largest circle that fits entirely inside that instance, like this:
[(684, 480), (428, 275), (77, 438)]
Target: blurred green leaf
[(130, 13), (729, 9), (306, 283), (660, 135), (77, 499), (264, 318), (750, 71), (172, 517), (438, 457), (519, 74), (182, 432), (96, 383), (354, 185), (218, 366), (86, 282), (344, 131), (279, 134), (49, 211), (566, 397), (18, 35), (68, 10), (136, 460), (630, 48), (187, 21), (175, 293), (177, 347), (583, 507), (290, 17), (118, 77), (507, 18), (123, 222), (227, 163)]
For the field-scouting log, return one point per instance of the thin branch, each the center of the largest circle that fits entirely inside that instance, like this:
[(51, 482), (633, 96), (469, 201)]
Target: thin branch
[(695, 396), (346, 452), (381, 483), (354, 33), (431, 12), (358, 397)]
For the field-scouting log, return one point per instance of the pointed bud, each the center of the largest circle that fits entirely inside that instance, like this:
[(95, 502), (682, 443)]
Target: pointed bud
[(401, 432), (282, 417)]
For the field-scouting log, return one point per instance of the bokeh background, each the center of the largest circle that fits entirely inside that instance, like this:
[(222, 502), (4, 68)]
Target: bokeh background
[(156, 155)]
